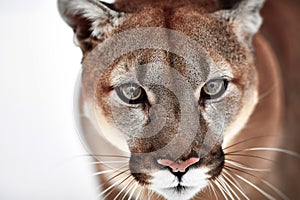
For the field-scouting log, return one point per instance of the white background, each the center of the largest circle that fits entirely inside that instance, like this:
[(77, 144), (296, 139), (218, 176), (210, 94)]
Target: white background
[(39, 147)]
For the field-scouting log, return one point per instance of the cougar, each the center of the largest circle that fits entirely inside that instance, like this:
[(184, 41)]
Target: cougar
[(184, 99)]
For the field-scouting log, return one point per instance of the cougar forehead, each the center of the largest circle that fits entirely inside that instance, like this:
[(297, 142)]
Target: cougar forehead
[(214, 35)]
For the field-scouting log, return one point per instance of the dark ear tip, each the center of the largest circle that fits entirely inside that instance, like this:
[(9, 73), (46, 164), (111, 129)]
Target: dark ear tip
[(229, 4), (232, 4)]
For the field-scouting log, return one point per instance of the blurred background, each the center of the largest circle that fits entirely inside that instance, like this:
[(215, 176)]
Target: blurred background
[(40, 151)]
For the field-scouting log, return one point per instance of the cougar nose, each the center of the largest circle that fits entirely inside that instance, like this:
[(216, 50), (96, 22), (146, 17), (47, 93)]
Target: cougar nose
[(178, 167)]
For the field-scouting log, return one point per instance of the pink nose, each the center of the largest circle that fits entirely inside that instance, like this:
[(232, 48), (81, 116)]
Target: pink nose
[(178, 167)]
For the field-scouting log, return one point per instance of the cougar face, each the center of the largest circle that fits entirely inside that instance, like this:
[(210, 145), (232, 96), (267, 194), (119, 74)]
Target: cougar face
[(170, 83)]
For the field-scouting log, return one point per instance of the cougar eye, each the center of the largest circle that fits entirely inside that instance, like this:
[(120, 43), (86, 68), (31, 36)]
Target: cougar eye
[(214, 89), (131, 93)]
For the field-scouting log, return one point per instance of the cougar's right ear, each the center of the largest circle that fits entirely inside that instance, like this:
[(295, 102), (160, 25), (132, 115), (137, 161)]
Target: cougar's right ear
[(244, 15), (91, 21)]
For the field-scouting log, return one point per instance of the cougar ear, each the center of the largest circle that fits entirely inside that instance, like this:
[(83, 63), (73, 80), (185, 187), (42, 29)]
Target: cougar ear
[(244, 15), (91, 20)]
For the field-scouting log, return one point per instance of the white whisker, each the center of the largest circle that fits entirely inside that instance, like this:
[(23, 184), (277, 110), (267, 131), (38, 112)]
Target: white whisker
[(246, 140), (237, 187), (276, 190), (213, 189), (151, 194), (128, 190), (235, 183), (255, 187), (234, 179), (109, 188), (148, 195), (103, 172), (210, 191), (139, 193), (280, 150), (224, 185), (221, 189), (109, 171), (133, 190), (229, 187), (250, 156), (129, 181), (281, 194), (237, 164)]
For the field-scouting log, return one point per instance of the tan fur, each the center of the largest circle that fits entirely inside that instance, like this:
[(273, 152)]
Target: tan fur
[(254, 100)]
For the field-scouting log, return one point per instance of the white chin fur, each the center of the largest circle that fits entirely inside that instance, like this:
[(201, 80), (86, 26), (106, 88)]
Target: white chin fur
[(195, 180)]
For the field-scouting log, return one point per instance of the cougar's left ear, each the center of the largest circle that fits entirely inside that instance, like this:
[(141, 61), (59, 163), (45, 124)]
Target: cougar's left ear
[(91, 20), (244, 15)]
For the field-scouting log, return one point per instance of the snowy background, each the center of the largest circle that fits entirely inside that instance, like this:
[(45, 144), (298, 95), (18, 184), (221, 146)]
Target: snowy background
[(40, 152)]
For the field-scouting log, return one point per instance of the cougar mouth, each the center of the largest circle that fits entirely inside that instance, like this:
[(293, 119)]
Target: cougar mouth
[(180, 190), (180, 184)]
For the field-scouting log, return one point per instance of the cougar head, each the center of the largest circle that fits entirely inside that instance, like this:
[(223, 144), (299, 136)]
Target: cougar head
[(168, 82)]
